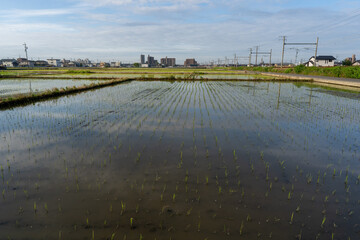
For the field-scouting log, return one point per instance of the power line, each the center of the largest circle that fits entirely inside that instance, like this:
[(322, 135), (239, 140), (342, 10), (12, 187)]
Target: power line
[(297, 44), (259, 53)]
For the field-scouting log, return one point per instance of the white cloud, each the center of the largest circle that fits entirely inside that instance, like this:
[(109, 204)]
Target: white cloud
[(127, 28)]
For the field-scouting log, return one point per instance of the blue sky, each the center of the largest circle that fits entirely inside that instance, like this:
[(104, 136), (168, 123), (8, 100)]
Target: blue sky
[(120, 30)]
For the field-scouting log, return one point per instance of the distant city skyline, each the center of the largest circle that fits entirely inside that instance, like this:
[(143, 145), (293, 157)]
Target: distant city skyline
[(121, 30)]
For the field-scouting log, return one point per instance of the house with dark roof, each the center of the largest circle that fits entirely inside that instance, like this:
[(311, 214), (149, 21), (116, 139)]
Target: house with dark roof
[(41, 63), (356, 63), (23, 62), (321, 61), (9, 63)]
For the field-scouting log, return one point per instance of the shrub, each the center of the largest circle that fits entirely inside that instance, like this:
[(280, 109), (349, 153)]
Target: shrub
[(346, 62), (299, 68)]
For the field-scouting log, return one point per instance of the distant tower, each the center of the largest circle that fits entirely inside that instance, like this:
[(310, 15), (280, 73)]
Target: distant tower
[(26, 48), (26, 53), (142, 59), (353, 59)]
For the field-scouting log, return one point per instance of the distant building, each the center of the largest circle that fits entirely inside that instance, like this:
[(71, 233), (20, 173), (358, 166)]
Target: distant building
[(321, 61), (104, 65), (190, 63), (41, 63), (83, 63), (351, 59), (23, 62), (142, 59), (356, 63), (54, 62), (115, 64), (72, 64), (9, 63), (151, 61), (65, 63), (168, 62)]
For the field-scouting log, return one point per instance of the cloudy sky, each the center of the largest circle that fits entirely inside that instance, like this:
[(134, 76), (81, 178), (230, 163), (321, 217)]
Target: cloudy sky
[(120, 30)]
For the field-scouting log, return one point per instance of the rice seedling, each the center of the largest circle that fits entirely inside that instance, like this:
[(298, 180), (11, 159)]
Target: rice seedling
[(35, 208), (248, 132), (113, 236), (323, 222), (46, 208), (132, 222), (292, 218), (241, 231), (123, 208)]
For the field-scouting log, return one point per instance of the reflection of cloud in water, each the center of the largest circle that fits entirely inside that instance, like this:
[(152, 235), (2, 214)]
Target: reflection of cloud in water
[(86, 154)]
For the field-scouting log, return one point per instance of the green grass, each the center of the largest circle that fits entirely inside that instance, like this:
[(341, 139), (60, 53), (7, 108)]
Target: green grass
[(72, 71), (338, 71)]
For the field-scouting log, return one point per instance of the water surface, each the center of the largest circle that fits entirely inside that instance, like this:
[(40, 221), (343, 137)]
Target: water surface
[(10, 87), (183, 160)]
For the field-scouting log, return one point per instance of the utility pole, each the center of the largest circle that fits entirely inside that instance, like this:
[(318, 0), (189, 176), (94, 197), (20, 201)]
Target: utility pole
[(284, 43), (26, 48), (250, 57), (283, 51), (257, 53), (256, 56), (26, 53), (316, 49), (270, 57)]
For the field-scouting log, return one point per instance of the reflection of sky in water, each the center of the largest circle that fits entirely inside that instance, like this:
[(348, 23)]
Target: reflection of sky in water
[(172, 75), (279, 112), (15, 86), (140, 129)]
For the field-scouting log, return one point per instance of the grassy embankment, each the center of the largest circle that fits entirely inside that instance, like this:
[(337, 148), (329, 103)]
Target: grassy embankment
[(338, 71), (136, 73)]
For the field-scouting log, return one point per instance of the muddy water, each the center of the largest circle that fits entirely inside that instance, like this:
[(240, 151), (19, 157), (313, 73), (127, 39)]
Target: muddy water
[(183, 160)]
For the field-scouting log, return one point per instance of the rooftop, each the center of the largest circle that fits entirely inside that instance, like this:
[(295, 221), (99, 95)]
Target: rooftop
[(324, 58)]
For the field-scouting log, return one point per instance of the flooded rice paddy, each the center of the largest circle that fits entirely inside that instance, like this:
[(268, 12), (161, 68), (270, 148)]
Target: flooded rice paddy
[(168, 76), (183, 160), (10, 87)]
